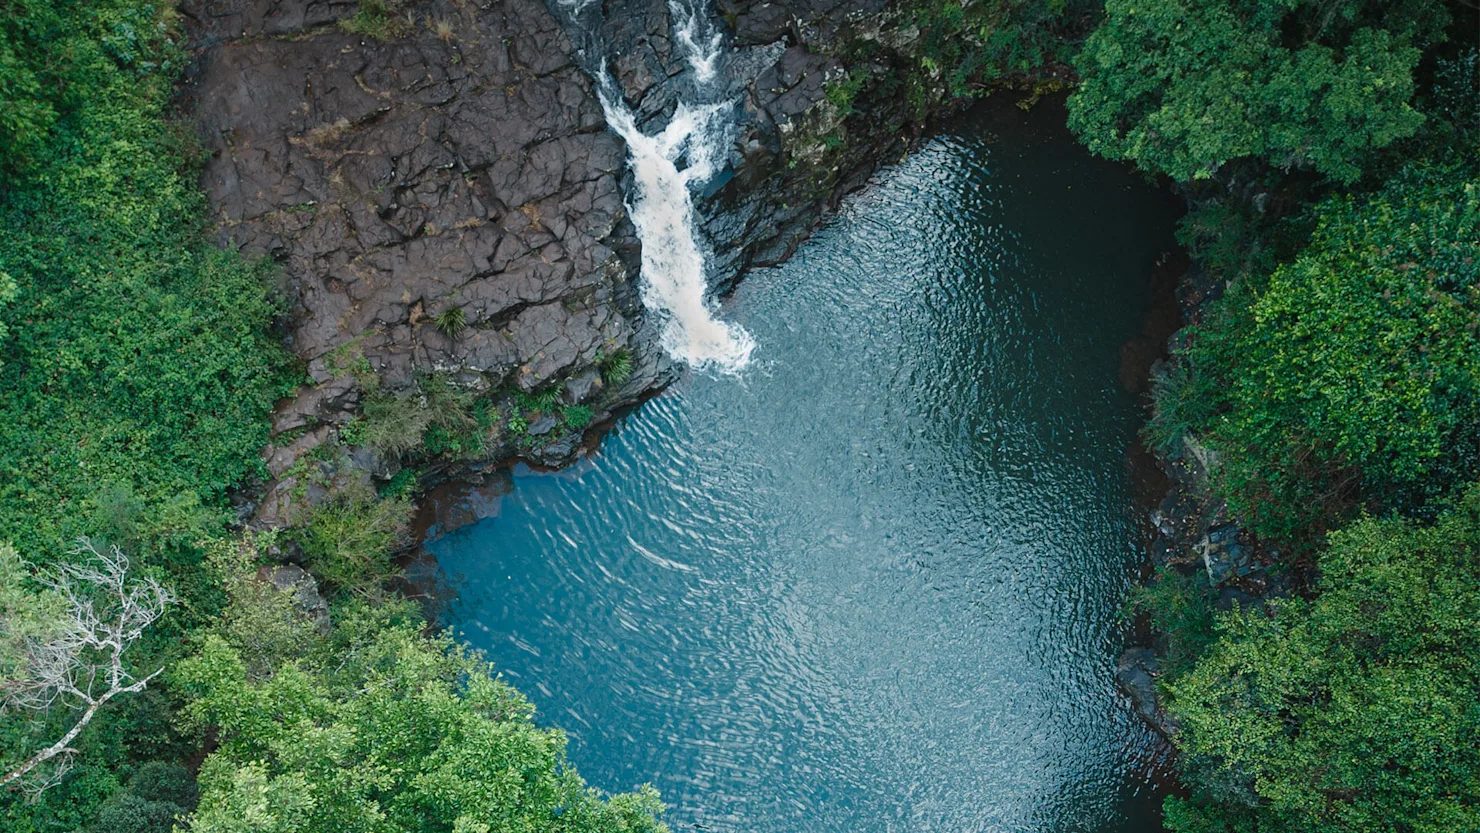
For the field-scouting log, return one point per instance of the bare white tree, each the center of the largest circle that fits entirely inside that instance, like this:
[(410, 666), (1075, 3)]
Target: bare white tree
[(79, 664)]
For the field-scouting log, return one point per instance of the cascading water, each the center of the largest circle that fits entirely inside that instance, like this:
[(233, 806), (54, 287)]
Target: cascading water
[(702, 55), (674, 263)]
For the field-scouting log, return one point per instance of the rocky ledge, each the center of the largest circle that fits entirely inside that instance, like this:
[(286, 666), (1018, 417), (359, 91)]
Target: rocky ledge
[(437, 183)]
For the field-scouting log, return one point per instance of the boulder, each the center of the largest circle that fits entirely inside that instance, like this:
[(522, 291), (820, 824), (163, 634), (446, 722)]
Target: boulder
[(1225, 556), (582, 389), (1136, 674), (290, 578)]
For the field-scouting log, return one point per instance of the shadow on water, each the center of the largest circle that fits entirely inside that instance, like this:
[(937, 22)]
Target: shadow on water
[(873, 585)]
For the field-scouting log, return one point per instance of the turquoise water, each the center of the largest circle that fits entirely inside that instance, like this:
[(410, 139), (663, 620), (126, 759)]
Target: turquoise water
[(871, 585)]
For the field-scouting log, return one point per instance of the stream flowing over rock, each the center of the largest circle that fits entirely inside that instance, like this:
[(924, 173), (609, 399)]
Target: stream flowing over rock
[(463, 163)]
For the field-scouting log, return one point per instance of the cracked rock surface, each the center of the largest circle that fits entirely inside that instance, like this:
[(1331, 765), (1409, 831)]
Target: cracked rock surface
[(449, 200), (463, 164)]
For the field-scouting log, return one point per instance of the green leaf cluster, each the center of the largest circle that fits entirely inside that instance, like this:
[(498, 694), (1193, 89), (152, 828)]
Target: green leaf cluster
[(381, 728), (1356, 711), (1350, 376), (1184, 87)]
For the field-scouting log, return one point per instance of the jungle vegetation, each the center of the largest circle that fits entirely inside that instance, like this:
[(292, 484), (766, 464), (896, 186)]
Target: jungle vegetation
[(1329, 151), (148, 679)]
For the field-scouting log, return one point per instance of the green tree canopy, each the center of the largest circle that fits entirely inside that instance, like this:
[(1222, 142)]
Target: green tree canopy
[(1351, 374), (379, 728), (1183, 87), (1356, 712)]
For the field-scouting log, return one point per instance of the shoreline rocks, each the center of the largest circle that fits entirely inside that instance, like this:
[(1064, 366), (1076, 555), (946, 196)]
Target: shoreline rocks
[(447, 201)]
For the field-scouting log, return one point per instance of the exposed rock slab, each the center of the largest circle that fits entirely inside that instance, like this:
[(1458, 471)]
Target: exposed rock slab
[(464, 164)]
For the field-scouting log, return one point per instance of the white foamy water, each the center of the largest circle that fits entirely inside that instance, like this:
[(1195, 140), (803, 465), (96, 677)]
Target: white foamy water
[(703, 51), (673, 263)]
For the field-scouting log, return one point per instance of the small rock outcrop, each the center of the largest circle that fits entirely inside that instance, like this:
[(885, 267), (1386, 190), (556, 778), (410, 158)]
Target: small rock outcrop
[(290, 578)]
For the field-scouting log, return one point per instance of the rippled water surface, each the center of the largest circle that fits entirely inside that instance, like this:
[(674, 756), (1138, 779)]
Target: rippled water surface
[(872, 585)]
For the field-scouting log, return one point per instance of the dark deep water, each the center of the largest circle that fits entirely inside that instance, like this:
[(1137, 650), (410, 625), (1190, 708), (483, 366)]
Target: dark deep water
[(871, 586)]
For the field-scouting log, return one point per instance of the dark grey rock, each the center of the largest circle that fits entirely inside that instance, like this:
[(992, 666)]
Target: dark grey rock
[(543, 426), (290, 578), (1224, 556), (1136, 673), (395, 180), (378, 465), (560, 452), (581, 389)]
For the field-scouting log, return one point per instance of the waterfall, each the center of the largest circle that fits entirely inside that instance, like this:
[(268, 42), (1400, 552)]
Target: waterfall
[(662, 207), (702, 56), (666, 167)]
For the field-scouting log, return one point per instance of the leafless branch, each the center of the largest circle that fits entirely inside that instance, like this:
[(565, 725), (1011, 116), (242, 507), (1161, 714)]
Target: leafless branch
[(80, 665)]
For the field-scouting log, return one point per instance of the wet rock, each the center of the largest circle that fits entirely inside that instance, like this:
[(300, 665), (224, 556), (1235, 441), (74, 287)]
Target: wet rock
[(558, 453), (290, 578), (1225, 556), (581, 389), (1136, 673), (543, 426)]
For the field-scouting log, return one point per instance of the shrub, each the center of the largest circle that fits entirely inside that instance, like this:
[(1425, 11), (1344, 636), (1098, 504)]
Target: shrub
[(576, 416), (158, 795), (349, 540), (1180, 607), (263, 622), (435, 416), (1357, 711), (391, 423), (451, 321), (615, 368), (379, 19), (1351, 375), (969, 44), (402, 484)]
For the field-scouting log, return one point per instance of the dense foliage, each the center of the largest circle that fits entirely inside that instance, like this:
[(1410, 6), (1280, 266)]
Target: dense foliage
[(1183, 87), (376, 727), (969, 45), (138, 369), (136, 364), (1336, 383), (1356, 711), (1351, 375)]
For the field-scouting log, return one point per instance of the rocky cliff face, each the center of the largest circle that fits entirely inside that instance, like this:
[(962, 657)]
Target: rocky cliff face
[(444, 197), (396, 180)]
